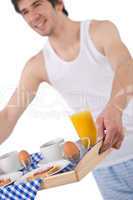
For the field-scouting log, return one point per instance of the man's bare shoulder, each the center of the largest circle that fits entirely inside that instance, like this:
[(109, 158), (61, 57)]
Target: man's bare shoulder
[(102, 32), (36, 66), (103, 25), (104, 29)]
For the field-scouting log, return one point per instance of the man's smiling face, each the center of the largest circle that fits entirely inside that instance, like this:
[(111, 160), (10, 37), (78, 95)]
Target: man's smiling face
[(39, 14)]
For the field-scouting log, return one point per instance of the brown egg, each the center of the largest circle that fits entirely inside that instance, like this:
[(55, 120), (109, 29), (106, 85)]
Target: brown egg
[(71, 151), (24, 157)]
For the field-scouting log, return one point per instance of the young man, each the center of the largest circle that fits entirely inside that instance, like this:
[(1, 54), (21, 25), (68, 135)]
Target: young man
[(90, 66)]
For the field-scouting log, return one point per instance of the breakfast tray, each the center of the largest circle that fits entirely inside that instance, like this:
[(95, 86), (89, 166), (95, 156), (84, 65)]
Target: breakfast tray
[(90, 160)]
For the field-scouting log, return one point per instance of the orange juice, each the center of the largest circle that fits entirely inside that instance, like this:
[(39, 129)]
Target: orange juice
[(84, 125)]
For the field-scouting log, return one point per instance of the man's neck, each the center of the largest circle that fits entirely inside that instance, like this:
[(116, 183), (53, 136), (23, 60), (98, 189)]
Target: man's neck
[(65, 34)]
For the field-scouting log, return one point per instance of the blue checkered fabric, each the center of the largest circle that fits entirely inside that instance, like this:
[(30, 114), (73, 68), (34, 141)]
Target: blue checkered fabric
[(27, 190), (22, 191)]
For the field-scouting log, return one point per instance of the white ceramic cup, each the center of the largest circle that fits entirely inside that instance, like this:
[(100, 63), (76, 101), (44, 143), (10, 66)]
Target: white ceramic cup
[(52, 150), (9, 162)]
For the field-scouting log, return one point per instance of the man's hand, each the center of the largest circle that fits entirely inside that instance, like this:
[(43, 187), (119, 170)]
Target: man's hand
[(109, 127)]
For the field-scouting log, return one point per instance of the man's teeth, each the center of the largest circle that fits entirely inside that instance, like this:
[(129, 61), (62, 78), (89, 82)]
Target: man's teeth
[(40, 24)]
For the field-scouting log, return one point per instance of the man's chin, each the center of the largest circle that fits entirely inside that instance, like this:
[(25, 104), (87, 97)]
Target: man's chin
[(43, 33)]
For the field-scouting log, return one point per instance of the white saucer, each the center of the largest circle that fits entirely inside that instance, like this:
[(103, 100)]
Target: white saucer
[(61, 163), (13, 177)]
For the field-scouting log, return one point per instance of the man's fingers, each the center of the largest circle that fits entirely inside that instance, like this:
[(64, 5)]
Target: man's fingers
[(107, 141), (112, 136), (117, 145), (113, 139), (100, 128)]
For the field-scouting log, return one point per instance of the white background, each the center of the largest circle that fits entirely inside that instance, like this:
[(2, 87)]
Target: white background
[(44, 118)]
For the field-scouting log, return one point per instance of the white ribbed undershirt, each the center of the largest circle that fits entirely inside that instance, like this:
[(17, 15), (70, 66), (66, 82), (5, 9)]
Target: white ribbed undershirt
[(86, 81)]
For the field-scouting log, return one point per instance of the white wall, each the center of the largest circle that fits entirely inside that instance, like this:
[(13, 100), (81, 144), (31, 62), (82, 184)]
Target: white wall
[(39, 124)]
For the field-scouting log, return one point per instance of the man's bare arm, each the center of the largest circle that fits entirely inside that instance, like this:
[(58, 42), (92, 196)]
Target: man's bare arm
[(31, 77), (122, 63), (108, 41)]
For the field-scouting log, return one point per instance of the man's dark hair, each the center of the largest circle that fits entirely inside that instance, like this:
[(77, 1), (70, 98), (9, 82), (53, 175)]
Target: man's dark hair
[(53, 2)]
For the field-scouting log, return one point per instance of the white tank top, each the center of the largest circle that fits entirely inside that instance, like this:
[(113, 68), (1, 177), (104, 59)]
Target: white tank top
[(86, 81)]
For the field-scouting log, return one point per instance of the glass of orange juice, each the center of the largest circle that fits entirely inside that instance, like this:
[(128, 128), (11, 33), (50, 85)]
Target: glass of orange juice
[(84, 125)]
